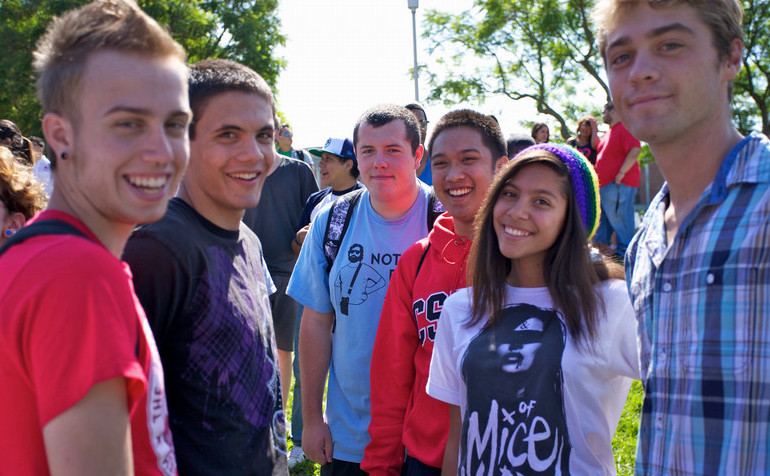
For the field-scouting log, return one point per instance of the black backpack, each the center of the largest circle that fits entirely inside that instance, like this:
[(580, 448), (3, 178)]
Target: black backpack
[(44, 227), (341, 213)]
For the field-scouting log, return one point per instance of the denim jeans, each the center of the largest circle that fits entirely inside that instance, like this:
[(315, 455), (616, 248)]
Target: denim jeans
[(617, 214), (296, 405)]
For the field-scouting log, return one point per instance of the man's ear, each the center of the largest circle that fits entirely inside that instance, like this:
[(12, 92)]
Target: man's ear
[(59, 133), (418, 156), (500, 163), (733, 59)]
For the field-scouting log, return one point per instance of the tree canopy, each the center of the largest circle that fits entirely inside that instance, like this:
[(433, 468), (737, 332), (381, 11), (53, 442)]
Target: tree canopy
[(545, 51), (243, 30)]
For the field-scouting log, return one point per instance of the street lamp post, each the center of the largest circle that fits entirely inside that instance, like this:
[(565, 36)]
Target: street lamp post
[(413, 4)]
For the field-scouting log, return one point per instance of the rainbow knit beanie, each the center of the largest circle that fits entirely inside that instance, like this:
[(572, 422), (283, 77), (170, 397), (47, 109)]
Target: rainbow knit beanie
[(584, 182)]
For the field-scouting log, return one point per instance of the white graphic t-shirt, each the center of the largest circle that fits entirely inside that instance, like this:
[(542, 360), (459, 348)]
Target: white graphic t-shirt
[(531, 400)]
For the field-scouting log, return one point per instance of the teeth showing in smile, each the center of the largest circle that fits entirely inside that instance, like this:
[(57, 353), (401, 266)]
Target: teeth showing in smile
[(244, 176), (148, 182), (515, 231), (457, 192)]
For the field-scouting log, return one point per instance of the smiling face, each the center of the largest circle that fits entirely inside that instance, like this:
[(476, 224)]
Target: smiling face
[(334, 171), (665, 75), (230, 157), (388, 165), (528, 217), (462, 168), (126, 143)]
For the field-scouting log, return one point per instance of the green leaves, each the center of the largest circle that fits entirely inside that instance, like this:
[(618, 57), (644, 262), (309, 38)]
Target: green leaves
[(243, 30), (545, 50)]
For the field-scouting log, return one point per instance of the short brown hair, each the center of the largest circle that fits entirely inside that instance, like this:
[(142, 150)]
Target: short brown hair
[(211, 77), (19, 190), (63, 51), (385, 113), (724, 18)]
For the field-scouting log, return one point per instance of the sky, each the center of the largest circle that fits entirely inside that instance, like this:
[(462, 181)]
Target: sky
[(344, 56)]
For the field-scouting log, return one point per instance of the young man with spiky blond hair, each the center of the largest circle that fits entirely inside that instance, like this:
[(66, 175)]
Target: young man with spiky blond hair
[(82, 386)]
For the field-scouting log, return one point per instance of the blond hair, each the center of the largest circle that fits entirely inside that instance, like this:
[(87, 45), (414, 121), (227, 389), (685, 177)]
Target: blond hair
[(62, 53), (19, 190), (724, 18)]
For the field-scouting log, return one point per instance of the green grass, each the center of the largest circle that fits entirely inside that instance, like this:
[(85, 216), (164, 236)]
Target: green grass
[(623, 445), (307, 467)]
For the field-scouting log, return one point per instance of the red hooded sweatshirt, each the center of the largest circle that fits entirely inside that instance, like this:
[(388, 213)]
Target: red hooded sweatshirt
[(403, 414)]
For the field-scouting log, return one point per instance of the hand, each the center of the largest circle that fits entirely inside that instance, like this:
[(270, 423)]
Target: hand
[(619, 178), (317, 442), (302, 234)]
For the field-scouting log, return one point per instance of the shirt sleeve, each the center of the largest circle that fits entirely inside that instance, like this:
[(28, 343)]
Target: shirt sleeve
[(83, 330), (309, 282), (392, 370), (622, 350), (160, 282), (444, 382)]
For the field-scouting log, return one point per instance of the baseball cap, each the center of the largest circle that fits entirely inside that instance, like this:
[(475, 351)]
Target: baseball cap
[(340, 147)]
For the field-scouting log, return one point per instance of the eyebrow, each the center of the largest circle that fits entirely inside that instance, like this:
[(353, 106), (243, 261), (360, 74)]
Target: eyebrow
[(230, 127), (541, 191), (387, 146), (462, 151), (675, 27), (144, 111)]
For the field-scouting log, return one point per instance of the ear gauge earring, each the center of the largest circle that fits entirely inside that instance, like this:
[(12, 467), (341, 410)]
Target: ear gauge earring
[(65, 155), (9, 232)]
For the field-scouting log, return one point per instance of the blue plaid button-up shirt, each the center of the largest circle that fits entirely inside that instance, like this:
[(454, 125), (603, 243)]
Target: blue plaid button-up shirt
[(703, 311)]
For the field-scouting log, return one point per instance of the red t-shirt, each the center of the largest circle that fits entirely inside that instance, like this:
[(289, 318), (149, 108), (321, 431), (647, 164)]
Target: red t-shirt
[(612, 152), (70, 319)]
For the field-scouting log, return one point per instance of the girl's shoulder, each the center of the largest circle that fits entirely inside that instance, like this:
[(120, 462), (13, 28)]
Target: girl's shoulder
[(461, 299), (613, 289)]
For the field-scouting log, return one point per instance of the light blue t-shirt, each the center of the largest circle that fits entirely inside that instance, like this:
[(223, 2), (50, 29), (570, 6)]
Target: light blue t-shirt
[(355, 291)]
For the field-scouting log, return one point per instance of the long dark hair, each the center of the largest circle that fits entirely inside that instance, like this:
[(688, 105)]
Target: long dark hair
[(570, 273)]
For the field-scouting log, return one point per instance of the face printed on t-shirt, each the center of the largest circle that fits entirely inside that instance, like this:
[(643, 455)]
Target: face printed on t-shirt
[(515, 418)]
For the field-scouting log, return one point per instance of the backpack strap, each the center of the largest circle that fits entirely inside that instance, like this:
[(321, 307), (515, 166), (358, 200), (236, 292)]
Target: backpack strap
[(337, 226), (339, 219), (422, 258), (44, 227), (435, 208)]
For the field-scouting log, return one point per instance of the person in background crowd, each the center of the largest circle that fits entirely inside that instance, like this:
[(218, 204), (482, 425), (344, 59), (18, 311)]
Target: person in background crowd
[(42, 167), (424, 170), (339, 174), (587, 138), (618, 171), (698, 270), (540, 133), (276, 220), (517, 142), (285, 140), (12, 138), (21, 195)]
